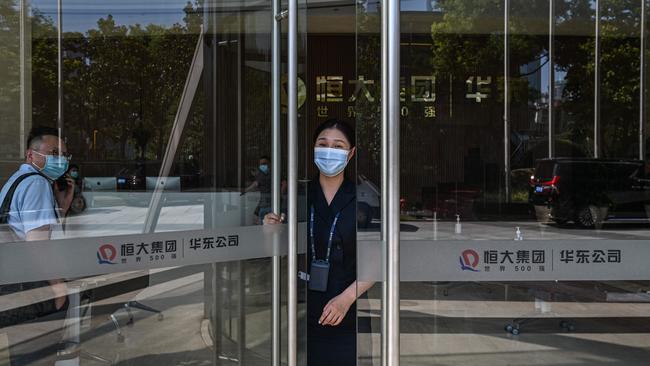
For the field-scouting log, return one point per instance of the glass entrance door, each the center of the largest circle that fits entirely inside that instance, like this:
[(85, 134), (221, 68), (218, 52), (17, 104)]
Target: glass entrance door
[(166, 108), (522, 213)]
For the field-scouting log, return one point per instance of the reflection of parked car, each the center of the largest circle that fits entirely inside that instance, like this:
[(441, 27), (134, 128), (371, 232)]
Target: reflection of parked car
[(445, 201), (130, 180), (368, 201), (458, 202), (590, 191)]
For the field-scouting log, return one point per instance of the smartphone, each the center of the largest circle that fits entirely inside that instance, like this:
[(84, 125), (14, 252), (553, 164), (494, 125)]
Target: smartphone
[(62, 183)]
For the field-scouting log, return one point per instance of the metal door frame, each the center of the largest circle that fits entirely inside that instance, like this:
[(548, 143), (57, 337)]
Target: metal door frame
[(390, 81)]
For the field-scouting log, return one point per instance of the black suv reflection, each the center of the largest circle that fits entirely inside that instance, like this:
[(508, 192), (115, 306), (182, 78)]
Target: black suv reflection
[(591, 191), (130, 180)]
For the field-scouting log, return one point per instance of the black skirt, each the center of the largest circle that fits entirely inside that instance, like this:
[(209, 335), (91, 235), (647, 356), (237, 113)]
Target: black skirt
[(340, 350)]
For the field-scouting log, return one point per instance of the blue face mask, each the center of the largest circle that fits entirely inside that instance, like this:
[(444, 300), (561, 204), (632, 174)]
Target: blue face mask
[(55, 166), (331, 162), (264, 168), (74, 174)]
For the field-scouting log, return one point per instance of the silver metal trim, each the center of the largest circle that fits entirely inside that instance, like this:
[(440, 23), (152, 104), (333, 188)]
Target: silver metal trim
[(276, 70), (240, 153), (292, 141), (190, 88), (506, 99), (59, 36), (384, 180), (597, 83), (390, 180), (241, 312), (551, 79), (642, 146), (217, 317), (25, 77)]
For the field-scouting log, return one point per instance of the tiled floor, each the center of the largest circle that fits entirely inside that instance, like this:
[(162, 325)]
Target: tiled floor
[(466, 326)]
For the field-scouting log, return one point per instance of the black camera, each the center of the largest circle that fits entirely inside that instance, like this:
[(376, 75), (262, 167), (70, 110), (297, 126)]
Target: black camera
[(62, 183)]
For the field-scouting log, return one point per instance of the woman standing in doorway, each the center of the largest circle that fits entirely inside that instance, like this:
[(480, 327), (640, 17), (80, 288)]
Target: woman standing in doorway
[(333, 286)]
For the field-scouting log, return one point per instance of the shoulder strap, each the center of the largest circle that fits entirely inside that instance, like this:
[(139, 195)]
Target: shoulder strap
[(6, 203)]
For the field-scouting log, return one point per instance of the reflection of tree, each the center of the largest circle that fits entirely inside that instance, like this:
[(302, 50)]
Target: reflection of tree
[(122, 81), (619, 63), (9, 71), (44, 70), (368, 118), (469, 37), (9, 49)]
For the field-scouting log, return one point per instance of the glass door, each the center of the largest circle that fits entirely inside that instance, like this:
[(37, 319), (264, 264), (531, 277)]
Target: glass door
[(161, 258), (522, 211)]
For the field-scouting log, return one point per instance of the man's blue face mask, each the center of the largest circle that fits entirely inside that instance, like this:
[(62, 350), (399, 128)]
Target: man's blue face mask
[(264, 168), (331, 162), (55, 166)]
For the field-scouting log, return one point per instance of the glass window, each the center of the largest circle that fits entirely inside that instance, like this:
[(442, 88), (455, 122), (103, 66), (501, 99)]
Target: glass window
[(160, 256), (509, 223)]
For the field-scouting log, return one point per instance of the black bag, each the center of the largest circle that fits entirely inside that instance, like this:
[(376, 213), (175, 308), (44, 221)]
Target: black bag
[(33, 310)]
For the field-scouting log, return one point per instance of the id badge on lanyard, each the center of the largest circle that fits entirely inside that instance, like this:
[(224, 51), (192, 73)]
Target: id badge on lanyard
[(320, 268), (318, 274)]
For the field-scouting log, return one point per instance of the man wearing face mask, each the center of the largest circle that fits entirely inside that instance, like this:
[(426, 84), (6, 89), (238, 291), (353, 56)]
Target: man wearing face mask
[(34, 200)]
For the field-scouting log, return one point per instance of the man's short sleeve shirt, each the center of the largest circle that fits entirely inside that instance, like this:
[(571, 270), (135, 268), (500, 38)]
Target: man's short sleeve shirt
[(33, 204)]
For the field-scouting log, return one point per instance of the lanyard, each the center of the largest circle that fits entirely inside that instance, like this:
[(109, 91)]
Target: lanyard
[(311, 235)]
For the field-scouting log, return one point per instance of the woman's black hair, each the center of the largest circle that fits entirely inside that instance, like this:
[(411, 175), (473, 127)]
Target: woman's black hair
[(73, 166), (337, 124)]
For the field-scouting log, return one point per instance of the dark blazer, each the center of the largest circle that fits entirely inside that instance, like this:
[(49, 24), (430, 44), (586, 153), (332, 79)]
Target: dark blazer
[(343, 258)]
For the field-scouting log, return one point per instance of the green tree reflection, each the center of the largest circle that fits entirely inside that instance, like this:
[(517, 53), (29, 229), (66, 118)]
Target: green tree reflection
[(122, 85), (470, 36)]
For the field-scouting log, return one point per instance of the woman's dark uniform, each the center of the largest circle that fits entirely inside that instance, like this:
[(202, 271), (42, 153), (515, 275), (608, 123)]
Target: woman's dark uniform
[(333, 345)]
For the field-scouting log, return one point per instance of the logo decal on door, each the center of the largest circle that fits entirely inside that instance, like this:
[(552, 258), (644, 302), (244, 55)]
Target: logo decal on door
[(469, 260), (106, 254)]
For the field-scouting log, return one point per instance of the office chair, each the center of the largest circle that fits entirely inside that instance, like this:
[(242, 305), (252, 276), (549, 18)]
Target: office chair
[(139, 283), (543, 294)]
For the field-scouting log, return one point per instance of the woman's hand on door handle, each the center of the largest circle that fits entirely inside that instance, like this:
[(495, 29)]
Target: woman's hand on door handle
[(273, 219)]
